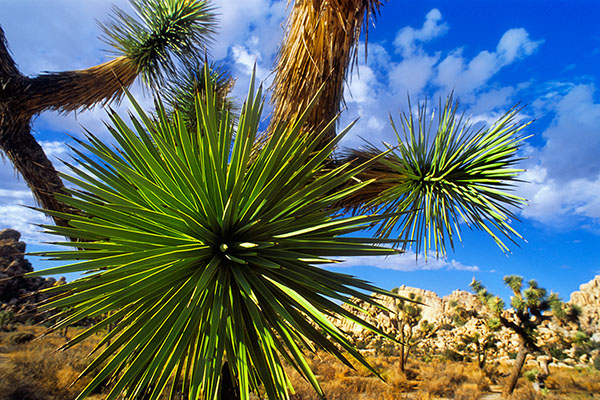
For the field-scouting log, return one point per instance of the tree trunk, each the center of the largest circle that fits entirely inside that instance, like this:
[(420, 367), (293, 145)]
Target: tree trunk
[(29, 159), (406, 353), (402, 364), (516, 372), (21, 98), (320, 45)]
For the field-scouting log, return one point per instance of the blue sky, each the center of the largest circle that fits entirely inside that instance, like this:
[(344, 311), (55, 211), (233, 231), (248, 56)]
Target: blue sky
[(544, 54)]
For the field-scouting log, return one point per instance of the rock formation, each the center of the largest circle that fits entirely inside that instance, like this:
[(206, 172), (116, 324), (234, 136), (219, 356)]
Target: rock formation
[(18, 294), (441, 311), (588, 298)]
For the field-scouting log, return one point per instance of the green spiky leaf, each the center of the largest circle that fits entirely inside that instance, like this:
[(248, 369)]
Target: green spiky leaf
[(200, 253), (160, 34), (444, 172)]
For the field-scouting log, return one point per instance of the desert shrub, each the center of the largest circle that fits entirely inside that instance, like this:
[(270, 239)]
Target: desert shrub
[(531, 375), (444, 379), (33, 370), (596, 362), (446, 327), (17, 338), (386, 347), (467, 391), (451, 355), (526, 392), (557, 353), (6, 318), (571, 381)]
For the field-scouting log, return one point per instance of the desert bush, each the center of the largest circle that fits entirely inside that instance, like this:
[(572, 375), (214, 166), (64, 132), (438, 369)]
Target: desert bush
[(570, 381), (451, 355), (444, 379), (467, 391), (557, 353), (34, 370), (531, 375), (6, 317), (596, 362), (17, 338)]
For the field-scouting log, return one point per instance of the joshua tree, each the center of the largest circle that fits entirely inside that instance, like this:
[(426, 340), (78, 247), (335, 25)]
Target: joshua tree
[(531, 308), (410, 328), (203, 244), (482, 344), (163, 34)]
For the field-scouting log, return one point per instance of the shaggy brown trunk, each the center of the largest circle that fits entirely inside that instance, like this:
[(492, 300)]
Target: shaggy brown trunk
[(21, 98), (320, 44), (402, 359), (29, 159), (516, 372)]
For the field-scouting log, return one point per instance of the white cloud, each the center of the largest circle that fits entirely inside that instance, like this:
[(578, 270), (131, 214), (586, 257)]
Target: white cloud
[(361, 88), (412, 74), (563, 177), (241, 19), (573, 139), (551, 201), (514, 44), (420, 73), (407, 262), (408, 38), (464, 76), (23, 219)]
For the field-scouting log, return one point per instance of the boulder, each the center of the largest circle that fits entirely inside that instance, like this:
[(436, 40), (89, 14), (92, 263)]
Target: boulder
[(19, 294)]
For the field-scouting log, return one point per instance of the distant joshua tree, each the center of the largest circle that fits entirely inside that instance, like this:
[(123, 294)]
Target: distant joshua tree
[(532, 307), (410, 327), (480, 344)]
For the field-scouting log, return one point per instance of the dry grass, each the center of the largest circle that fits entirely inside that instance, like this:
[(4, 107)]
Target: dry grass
[(574, 382), (32, 370)]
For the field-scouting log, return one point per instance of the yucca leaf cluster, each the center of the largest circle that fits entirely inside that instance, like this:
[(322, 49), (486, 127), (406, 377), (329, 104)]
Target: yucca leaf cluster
[(198, 255), (448, 173), (160, 34)]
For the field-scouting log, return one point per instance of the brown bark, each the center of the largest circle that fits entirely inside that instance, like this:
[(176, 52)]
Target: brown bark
[(402, 359), (516, 372), (21, 98), (319, 46), (29, 159)]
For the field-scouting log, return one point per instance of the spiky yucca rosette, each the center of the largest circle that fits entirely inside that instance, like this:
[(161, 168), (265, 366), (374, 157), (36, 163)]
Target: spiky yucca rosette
[(441, 173), (199, 256)]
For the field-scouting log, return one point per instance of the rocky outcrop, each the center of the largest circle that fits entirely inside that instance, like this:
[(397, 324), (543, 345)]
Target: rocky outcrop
[(19, 294), (588, 298), (449, 334)]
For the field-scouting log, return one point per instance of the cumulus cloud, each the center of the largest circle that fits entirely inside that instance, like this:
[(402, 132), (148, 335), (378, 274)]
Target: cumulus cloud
[(14, 195), (573, 138), (361, 88), (563, 177), (408, 38), (421, 73), (514, 44), (412, 74), (456, 72), (407, 262)]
